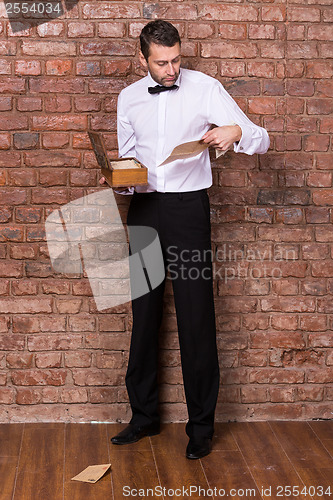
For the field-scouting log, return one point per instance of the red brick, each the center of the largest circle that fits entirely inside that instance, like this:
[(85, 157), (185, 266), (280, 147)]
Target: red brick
[(68, 306), (296, 32), (284, 322), (321, 376), (253, 358), (7, 395), (252, 394), (62, 85), (313, 323), (326, 125), (200, 30), (239, 50), (319, 106), (117, 68), (79, 359), (320, 340), (260, 215), (232, 31), (48, 195), (301, 124), (10, 269), (22, 178), (316, 142), (16, 305), (272, 50), (322, 197), (49, 48), (300, 88), (282, 394), (273, 13), (52, 177), (24, 288), (110, 11), (316, 215), (228, 12), (303, 50), (4, 287), (323, 268), (38, 377), (88, 68), (318, 69), (52, 159), (48, 360), (58, 287), (299, 14), (76, 395), (29, 104), (320, 32), (261, 69), (12, 342), (111, 30), (231, 68), (78, 30), (276, 376), (310, 393), (55, 140), (23, 67), (95, 376), (262, 105), (109, 48), (106, 86), (262, 31), (43, 342), (5, 67), (325, 50), (59, 67), (50, 29), (318, 179)]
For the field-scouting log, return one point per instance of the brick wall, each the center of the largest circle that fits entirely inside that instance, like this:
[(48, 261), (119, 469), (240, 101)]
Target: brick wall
[(61, 359)]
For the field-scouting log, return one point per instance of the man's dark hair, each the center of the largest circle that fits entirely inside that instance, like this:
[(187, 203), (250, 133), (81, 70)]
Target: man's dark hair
[(159, 32)]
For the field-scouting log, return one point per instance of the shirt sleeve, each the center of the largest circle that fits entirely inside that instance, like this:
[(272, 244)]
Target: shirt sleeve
[(223, 110), (126, 139)]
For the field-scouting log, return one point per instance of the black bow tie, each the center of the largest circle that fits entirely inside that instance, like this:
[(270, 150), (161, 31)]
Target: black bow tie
[(160, 88)]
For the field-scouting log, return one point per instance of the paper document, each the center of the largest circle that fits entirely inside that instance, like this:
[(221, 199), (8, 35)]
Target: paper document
[(188, 150), (92, 473)]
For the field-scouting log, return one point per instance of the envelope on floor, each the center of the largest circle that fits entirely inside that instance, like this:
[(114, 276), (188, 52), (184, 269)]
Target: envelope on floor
[(92, 473)]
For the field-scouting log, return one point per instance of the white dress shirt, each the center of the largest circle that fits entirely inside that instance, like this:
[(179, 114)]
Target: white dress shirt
[(150, 126)]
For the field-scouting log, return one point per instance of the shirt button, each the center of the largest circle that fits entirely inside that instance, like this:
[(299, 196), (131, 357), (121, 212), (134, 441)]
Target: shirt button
[(241, 148)]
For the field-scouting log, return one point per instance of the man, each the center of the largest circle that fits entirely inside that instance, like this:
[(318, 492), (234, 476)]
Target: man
[(168, 107)]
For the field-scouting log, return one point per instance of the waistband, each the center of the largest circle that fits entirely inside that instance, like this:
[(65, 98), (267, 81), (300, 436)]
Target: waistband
[(171, 194)]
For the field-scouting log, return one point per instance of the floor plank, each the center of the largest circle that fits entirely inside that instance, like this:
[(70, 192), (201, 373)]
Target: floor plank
[(301, 444), (228, 473), (41, 463), (10, 446), (86, 444), (177, 474)]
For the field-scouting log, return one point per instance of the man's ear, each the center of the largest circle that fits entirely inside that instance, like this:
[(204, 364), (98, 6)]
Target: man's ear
[(142, 60)]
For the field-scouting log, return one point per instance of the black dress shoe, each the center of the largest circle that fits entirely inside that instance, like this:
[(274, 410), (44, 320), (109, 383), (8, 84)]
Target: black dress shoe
[(198, 448), (132, 433)]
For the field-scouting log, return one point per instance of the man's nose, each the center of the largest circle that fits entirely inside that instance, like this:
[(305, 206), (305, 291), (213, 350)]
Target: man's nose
[(171, 69)]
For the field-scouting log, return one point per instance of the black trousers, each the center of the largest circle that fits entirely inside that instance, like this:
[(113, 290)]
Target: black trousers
[(182, 221)]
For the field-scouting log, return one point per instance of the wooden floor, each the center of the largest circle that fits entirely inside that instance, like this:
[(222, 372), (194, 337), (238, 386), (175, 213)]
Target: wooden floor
[(249, 460)]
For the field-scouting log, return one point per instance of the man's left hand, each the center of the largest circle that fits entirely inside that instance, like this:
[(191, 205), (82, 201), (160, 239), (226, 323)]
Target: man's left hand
[(223, 137)]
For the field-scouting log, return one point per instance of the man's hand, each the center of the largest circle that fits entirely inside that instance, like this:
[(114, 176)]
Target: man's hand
[(102, 181), (222, 137)]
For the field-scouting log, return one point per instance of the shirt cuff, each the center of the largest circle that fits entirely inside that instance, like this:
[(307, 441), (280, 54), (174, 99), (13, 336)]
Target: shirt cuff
[(126, 191), (245, 141)]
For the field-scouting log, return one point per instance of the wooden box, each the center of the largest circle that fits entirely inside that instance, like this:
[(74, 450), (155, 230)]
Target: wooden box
[(119, 171)]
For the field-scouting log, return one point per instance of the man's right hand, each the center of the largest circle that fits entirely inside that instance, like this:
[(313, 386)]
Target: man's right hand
[(102, 181)]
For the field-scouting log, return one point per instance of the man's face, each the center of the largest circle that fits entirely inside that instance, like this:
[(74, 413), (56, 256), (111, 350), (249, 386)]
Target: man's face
[(163, 63)]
